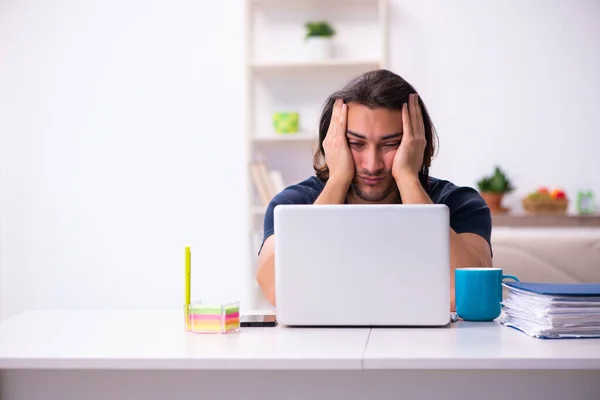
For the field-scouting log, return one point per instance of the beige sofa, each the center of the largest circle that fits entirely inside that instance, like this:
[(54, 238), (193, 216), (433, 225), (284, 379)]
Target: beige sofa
[(563, 255)]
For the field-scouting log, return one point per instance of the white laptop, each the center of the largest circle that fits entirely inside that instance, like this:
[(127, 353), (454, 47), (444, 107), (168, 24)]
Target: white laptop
[(362, 265)]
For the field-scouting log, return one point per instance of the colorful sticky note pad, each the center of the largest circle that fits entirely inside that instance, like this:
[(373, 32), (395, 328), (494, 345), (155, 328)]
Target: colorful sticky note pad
[(211, 318)]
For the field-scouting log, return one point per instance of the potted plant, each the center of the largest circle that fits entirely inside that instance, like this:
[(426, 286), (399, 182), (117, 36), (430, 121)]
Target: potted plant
[(493, 188), (319, 39)]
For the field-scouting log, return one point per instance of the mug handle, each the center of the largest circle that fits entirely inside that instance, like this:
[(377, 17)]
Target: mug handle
[(510, 277)]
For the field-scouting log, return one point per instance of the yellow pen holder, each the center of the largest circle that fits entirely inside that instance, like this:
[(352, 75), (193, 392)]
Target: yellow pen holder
[(212, 317)]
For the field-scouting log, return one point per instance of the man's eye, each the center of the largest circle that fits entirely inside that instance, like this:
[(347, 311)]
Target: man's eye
[(356, 144), (396, 144)]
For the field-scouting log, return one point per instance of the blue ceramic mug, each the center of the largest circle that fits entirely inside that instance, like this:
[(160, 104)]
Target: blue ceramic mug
[(478, 292)]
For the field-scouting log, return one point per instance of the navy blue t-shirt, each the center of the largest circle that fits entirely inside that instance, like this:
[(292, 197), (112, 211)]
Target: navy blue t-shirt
[(468, 211)]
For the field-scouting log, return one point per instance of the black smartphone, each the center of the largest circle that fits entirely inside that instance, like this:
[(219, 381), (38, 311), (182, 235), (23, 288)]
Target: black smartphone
[(258, 320)]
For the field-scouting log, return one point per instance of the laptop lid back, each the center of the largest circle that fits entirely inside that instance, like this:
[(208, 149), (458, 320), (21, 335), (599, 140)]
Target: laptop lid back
[(362, 265)]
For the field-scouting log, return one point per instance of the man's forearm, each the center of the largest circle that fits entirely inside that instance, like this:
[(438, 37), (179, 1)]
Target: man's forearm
[(411, 190), (334, 192), (265, 272)]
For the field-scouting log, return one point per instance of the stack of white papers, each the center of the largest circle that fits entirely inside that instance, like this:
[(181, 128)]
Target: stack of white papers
[(552, 311)]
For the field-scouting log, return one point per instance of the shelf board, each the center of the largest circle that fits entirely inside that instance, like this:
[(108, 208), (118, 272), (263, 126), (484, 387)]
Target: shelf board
[(303, 64), (292, 137), (545, 221)]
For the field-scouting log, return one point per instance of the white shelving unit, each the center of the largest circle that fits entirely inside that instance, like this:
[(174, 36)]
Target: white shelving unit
[(280, 77)]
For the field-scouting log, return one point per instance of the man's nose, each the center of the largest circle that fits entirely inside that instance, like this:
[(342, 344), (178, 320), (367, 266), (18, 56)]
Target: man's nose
[(372, 160)]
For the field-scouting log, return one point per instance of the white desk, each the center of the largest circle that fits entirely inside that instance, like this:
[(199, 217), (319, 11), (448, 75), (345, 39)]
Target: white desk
[(155, 340), (470, 345), (146, 355)]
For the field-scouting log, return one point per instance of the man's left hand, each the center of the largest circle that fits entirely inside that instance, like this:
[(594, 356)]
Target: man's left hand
[(408, 160)]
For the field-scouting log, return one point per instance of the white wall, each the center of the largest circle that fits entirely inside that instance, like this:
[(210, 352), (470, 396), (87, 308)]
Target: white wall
[(121, 131), (509, 82), (121, 126)]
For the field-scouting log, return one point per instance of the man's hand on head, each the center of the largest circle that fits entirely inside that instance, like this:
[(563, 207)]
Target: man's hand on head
[(408, 160), (337, 152)]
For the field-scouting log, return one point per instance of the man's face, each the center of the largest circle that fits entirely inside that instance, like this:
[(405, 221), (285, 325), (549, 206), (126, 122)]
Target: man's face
[(373, 136)]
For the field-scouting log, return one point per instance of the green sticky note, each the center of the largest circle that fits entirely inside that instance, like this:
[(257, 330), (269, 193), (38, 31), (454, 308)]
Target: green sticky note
[(214, 309)]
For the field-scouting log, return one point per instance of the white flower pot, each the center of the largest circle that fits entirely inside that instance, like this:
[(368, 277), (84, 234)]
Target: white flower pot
[(319, 48)]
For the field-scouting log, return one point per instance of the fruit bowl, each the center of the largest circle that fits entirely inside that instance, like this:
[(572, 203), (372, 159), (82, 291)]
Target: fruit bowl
[(543, 201)]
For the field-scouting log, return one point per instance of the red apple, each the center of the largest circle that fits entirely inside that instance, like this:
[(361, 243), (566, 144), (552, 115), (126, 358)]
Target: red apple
[(558, 194)]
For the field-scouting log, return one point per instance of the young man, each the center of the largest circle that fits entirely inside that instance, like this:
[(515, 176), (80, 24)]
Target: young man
[(375, 146)]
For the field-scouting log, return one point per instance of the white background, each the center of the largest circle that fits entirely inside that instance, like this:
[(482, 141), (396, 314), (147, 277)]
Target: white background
[(122, 132)]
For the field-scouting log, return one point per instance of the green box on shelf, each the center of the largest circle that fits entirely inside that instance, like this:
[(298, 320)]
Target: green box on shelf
[(286, 122), (585, 202)]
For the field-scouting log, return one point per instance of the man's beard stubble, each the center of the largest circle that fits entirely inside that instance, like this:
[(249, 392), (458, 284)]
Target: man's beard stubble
[(373, 196)]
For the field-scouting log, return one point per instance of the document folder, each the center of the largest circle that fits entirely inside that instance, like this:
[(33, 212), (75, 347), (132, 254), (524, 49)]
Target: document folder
[(553, 311)]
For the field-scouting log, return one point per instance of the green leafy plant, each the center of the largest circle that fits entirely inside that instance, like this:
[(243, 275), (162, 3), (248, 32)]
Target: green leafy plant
[(498, 182), (319, 29)]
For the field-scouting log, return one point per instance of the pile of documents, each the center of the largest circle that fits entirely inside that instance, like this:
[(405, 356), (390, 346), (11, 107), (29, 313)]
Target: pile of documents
[(552, 311)]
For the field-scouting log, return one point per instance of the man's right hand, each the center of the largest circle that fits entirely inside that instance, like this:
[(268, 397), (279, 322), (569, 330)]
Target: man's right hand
[(337, 153)]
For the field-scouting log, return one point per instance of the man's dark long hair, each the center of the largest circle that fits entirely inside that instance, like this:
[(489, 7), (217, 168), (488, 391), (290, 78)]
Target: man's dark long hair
[(375, 89)]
